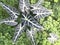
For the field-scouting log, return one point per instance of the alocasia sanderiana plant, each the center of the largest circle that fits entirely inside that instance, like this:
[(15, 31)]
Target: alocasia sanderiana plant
[(53, 37), (29, 17)]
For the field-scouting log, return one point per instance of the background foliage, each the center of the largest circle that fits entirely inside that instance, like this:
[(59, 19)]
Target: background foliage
[(50, 23)]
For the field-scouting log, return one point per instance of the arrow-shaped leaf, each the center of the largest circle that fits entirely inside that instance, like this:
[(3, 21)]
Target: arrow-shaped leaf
[(30, 35), (53, 37), (11, 10), (19, 29), (24, 5), (9, 21), (40, 12)]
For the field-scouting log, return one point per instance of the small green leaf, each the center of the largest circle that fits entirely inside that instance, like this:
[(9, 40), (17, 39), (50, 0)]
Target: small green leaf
[(56, 1)]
